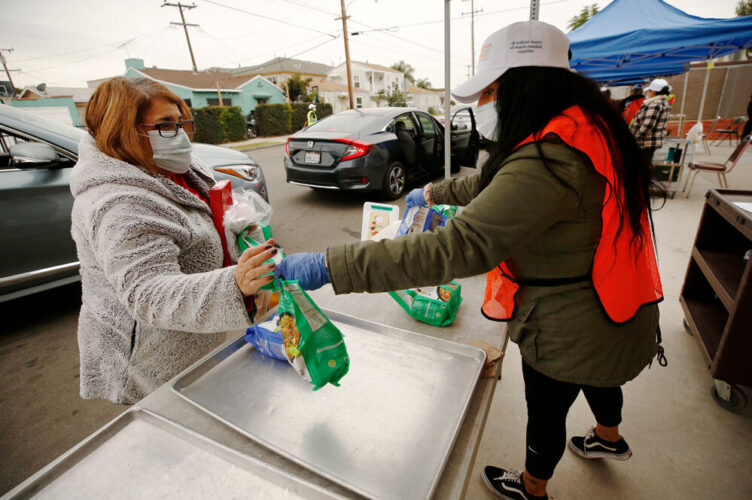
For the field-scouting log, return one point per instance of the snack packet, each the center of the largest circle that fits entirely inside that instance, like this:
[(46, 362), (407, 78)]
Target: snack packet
[(267, 338), (313, 345), (436, 306), (419, 220)]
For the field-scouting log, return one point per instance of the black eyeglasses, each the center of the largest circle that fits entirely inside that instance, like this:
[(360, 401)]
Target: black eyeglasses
[(170, 129)]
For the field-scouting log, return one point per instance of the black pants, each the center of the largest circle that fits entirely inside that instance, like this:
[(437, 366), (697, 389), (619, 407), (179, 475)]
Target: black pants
[(648, 153), (548, 403), (747, 129)]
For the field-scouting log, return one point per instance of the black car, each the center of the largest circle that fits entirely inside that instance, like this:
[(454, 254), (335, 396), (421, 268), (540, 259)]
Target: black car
[(378, 149)]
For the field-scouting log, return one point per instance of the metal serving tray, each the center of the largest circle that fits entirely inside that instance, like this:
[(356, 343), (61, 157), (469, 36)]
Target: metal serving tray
[(143, 455), (385, 433)]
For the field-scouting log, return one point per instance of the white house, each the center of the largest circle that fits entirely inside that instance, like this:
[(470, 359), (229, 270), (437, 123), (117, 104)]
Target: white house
[(369, 77), (336, 94), (424, 99)]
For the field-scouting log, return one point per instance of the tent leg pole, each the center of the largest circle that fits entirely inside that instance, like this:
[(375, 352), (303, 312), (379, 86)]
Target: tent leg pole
[(683, 99), (704, 90), (447, 97)]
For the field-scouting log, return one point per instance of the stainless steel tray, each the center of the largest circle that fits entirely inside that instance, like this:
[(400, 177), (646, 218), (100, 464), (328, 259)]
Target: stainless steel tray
[(385, 433), (143, 455)]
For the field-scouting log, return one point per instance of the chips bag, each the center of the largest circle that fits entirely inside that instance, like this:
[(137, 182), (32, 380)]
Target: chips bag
[(313, 345), (436, 306), (267, 338)]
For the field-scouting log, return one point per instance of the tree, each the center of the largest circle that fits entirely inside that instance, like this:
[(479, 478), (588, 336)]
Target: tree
[(406, 70), (744, 8), (395, 97), (423, 83), (297, 88), (584, 16)]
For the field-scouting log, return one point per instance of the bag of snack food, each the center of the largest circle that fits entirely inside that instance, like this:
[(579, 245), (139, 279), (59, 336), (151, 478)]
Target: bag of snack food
[(436, 306), (419, 220), (313, 345), (267, 338)]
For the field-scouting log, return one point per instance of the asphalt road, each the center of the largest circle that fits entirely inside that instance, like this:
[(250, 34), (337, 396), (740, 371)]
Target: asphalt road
[(41, 413)]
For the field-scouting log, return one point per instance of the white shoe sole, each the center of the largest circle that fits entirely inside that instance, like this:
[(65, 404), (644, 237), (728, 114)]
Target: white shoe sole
[(598, 454)]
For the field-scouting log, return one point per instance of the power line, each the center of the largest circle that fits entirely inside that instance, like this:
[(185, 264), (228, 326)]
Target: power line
[(267, 17)]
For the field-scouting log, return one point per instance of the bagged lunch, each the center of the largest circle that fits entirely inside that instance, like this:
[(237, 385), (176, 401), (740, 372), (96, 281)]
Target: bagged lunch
[(312, 344), (436, 306)]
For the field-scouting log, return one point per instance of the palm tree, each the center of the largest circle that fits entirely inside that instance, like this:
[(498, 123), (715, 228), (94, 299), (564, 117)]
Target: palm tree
[(406, 70)]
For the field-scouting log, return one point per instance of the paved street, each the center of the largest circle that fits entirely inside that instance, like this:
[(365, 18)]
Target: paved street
[(41, 413)]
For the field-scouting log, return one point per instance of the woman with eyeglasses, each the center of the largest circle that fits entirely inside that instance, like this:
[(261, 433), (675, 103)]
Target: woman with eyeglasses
[(155, 295)]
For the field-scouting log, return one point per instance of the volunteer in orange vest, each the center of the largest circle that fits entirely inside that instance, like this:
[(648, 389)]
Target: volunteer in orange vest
[(559, 218)]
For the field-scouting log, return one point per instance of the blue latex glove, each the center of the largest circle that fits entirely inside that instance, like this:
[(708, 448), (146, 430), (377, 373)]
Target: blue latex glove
[(415, 198), (309, 269)]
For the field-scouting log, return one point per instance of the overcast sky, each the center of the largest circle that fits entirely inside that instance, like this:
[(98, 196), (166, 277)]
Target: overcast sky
[(67, 42)]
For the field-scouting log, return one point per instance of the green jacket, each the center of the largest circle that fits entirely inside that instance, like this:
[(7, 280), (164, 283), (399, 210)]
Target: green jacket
[(542, 229)]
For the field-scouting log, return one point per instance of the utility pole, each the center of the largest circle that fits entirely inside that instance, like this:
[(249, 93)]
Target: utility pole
[(7, 71), (347, 53), (185, 25), (472, 32), (534, 9)]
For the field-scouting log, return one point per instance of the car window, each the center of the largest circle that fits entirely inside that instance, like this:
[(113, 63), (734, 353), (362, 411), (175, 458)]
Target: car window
[(426, 123), (8, 140), (409, 124), (462, 120), (26, 117), (348, 121)]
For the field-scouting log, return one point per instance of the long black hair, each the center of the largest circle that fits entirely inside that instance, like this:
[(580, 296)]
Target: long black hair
[(529, 97)]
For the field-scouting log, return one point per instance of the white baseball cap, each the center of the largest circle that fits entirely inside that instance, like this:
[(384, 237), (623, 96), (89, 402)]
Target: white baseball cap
[(528, 43), (658, 84)]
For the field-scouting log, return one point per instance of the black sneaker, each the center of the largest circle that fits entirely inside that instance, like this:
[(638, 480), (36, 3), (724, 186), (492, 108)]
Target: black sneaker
[(507, 483), (592, 446)]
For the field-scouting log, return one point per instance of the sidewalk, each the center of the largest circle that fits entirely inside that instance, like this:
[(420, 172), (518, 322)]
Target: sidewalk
[(256, 142)]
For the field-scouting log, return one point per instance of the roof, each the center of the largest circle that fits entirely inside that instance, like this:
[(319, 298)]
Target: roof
[(378, 67), (201, 80), (79, 94), (421, 90), (282, 65), (330, 86)]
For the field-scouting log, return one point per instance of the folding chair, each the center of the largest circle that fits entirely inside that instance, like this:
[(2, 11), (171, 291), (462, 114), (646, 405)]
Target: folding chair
[(732, 131), (720, 169), (705, 136)]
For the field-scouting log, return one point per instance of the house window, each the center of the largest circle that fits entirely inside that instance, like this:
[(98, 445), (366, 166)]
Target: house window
[(356, 81), (358, 102), (226, 101), (262, 100), (188, 102)]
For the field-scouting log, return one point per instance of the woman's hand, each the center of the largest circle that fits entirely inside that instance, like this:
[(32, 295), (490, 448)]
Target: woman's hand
[(427, 194), (251, 267), (419, 197)]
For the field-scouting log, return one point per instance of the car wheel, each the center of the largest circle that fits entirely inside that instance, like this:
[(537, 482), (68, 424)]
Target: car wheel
[(394, 181)]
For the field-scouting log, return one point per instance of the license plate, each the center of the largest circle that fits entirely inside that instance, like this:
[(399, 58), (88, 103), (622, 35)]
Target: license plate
[(312, 157)]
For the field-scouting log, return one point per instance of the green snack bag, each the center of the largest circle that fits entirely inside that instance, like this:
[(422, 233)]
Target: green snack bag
[(313, 345), (436, 306), (253, 236)]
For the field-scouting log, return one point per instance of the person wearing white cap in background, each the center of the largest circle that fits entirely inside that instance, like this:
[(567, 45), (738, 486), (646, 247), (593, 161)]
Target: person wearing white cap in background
[(649, 124), (571, 263), (311, 118)]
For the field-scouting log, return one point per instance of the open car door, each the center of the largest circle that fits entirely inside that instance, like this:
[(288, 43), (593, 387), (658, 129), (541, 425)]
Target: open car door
[(465, 139)]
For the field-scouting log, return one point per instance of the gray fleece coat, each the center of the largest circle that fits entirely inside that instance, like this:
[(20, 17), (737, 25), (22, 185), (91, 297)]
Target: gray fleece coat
[(155, 295)]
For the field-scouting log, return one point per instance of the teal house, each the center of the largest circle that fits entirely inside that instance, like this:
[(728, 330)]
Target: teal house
[(211, 88)]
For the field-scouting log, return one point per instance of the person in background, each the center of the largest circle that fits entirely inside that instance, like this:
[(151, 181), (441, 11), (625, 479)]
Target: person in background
[(155, 295), (631, 104), (559, 218), (649, 124), (311, 118), (748, 125)]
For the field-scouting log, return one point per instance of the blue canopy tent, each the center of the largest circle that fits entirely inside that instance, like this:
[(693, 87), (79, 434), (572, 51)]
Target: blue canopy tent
[(630, 40)]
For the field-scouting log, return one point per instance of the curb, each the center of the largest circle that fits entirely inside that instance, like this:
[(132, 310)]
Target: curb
[(243, 149)]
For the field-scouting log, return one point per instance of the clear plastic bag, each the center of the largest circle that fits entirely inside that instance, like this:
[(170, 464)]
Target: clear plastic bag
[(248, 209)]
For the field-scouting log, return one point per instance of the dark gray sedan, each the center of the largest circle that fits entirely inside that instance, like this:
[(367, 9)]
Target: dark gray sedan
[(37, 251), (378, 149)]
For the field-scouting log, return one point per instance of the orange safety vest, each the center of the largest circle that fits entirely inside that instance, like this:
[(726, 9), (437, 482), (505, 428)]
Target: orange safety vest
[(631, 110), (625, 277)]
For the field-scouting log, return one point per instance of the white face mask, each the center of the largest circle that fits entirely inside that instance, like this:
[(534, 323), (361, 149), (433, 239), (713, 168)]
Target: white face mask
[(172, 154), (486, 120)]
